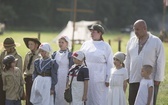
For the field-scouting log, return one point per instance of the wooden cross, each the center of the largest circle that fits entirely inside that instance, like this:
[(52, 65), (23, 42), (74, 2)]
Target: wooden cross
[(74, 10)]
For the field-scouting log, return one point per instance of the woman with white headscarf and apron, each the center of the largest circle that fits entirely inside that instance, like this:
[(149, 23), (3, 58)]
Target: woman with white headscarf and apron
[(45, 78), (64, 60)]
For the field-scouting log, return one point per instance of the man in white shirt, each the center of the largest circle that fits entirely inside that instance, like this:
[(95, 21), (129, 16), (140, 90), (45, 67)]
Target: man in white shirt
[(144, 49)]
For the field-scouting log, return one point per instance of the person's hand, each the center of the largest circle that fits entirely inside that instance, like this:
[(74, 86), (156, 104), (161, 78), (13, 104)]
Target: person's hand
[(84, 98), (51, 92), (156, 83), (107, 84), (128, 80)]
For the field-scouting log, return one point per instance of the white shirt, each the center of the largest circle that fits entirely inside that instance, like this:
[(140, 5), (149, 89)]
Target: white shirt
[(151, 54), (142, 95), (99, 52)]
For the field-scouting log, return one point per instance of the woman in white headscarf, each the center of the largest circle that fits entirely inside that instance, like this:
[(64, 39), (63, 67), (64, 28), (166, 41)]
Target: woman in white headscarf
[(45, 78), (99, 62), (64, 59)]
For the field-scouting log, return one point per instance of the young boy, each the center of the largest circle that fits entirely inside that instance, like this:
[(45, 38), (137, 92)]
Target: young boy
[(9, 49), (12, 81), (145, 92), (80, 74), (28, 68)]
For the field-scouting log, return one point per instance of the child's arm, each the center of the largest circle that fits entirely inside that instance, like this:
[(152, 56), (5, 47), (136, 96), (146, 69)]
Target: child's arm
[(4, 82), (84, 98), (125, 85), (150, 93)]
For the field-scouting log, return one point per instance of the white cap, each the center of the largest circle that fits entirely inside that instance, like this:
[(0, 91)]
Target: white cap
[(78, 55), (46, 47), (120, 56)]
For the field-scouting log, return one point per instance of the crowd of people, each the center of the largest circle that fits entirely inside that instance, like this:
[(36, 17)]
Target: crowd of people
[(97, 76)]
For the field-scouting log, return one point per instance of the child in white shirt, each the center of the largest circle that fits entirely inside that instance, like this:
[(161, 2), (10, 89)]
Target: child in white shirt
[(145, 92)]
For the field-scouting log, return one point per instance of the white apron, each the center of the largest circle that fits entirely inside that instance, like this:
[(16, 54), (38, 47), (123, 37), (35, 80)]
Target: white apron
[(63, 62), (40, 93), (77, 91)]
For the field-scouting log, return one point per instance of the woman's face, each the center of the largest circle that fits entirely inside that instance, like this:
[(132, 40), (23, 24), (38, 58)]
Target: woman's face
[(95, 35), (63, 45)]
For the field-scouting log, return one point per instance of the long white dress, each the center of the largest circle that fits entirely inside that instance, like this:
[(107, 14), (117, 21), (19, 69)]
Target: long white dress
[(116, 95), (99, 62), (142, 95), (63, 62)]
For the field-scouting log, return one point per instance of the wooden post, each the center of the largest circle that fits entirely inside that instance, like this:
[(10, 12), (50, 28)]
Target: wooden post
[(39, 36), (119, 44), (74, 20), (75, 10), (109, 41)]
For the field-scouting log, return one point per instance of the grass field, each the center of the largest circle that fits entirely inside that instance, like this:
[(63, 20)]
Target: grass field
[(112, 36)]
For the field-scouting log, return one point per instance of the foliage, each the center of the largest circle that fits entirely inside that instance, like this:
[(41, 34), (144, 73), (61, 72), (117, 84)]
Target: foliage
[(7, 13), (113, 13)]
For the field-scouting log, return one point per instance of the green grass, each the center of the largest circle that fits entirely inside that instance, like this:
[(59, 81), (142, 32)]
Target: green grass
[(112, 36)]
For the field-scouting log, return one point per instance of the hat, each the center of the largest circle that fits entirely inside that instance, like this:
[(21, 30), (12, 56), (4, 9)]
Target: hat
[(46, 47), (8, 59), (26, 40), (78, 55), (97, 27), (9, 42), (120, 56)]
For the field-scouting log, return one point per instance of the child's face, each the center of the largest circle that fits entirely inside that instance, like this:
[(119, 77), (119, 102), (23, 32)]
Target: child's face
[(63, 44), (117, 63), (13, 64), (144, 73), (76, 61), (32, 45), (43, 53)]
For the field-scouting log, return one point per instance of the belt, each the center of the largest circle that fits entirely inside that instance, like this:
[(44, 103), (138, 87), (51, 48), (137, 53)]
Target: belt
[(43, 74)]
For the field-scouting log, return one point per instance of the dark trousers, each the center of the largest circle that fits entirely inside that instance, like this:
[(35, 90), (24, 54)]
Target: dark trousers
[(13, 102), (2, 93), (156, 89), (133, 89), (29, 83)]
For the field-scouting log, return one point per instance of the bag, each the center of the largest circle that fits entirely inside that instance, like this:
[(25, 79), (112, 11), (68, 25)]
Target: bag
[(68, 95)]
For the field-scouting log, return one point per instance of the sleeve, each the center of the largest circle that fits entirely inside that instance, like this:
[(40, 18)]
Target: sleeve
[(1, 59), (21, 77), (109, 58), (150, 83), (34, 75), (86, 74), (54, 54), (70, 58), (4, 81), (127, 60), (160, 62), (19, 62), (24, 65), (54, 77), (125, 74)]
